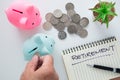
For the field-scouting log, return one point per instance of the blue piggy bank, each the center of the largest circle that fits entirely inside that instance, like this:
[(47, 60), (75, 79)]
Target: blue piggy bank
[(41, 44)]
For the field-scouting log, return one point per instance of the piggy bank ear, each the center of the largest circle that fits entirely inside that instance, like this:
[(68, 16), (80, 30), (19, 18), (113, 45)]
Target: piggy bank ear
[(38, 40), (30, 8), (23, 20)]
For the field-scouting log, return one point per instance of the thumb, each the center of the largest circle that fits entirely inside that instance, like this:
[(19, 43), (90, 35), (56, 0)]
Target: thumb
[(31, 66)]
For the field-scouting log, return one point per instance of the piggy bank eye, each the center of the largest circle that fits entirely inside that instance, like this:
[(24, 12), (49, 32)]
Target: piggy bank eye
[(36, 14), (51, 45), (33, 23), (45, 36)]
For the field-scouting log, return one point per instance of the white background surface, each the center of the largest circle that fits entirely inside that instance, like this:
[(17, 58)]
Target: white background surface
[(11, 39)]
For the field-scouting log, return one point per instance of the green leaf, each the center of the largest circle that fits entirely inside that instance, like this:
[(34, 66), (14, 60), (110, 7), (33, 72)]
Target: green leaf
[(111, 5), (99, 10), (112, 14), (103, 5), (107, 22), (98, 17), (103, 17)]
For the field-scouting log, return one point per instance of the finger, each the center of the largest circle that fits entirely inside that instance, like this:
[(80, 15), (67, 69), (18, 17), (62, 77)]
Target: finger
[(118, 78), (47, 63), (47, 68), (56, 76), (31, 66), (47, 60), (40, 62)]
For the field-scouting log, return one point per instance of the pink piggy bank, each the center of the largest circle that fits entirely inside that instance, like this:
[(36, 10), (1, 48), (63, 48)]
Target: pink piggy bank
[(23, 15)]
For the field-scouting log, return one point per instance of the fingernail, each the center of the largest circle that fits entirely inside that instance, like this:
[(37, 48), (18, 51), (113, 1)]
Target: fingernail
[(35, 57)]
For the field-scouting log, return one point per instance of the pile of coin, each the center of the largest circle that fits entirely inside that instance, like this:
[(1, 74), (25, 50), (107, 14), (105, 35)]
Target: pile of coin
[(72, 21)]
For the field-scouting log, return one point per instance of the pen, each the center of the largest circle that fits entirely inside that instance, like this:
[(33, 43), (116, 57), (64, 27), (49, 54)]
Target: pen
[(115, 70)]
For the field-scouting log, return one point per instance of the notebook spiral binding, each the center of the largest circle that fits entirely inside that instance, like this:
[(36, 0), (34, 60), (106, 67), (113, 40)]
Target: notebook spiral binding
[(89, 45)]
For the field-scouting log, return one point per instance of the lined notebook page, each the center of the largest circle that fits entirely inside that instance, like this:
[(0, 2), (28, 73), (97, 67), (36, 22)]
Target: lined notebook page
[(104, 52)]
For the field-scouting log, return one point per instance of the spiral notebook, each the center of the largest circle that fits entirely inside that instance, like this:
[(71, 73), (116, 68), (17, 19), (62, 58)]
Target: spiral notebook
[(103, 52)]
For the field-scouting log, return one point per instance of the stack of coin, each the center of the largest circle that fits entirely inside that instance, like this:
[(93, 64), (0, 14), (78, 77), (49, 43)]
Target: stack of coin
[(72, 21)]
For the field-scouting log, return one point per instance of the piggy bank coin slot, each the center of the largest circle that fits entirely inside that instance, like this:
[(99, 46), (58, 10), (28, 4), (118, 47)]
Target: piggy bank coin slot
[(33, 49), (17, 11)]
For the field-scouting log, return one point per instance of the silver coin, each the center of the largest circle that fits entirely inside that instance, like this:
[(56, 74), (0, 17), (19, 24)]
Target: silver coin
[(60, 26), (78, 26), (71, 13), (47, 26), (84, 22), (72, 28), (67, 23), (69, 6), (62, 35), (54, 21), (57, 13), (64, 18), (48, 16), (82, 32), (76, 18)]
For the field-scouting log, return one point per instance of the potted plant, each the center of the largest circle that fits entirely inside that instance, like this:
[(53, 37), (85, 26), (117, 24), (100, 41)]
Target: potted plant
[(104, 12)]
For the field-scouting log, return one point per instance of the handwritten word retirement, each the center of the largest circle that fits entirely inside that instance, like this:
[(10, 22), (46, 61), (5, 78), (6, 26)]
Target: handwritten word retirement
[(93, 53)]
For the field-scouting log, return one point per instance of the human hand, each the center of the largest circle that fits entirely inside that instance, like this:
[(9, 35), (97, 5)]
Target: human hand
[(40, 68), (118, 78)]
